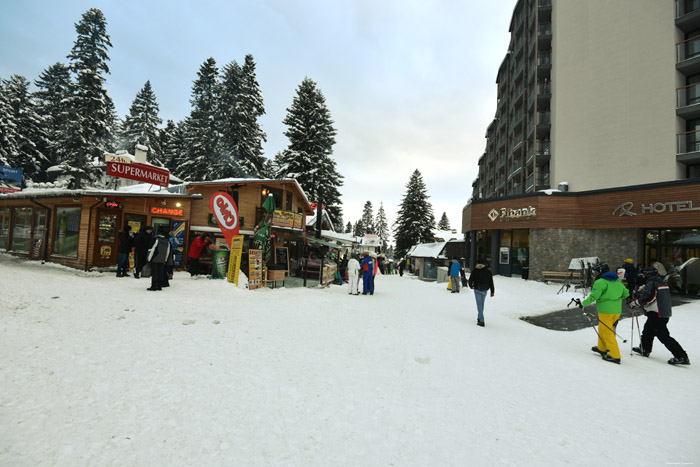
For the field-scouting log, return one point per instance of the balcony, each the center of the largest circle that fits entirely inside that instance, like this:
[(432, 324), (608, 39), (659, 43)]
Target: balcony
[(544, 65), (544, 93), (544, 35), (543, 152), (688, 101), (544, 123), (688, 150), (688, 15), (515, 169), (688, 56)]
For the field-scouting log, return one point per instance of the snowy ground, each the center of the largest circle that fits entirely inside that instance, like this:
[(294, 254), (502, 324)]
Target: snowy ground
[(95, 370)]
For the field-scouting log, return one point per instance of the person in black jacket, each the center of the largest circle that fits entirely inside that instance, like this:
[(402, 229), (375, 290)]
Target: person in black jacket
[(142, 242), (158, 255), (654, 297), (481, 280), (126, 243)]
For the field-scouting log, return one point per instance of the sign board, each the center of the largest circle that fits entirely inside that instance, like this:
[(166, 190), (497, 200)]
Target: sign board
[(10, 179), (576, 262), (298, 221), (255, 263), (225, 212), (283, 219), (118, 159), (234, 262), (179, 237), (282, 256), (140, 172)]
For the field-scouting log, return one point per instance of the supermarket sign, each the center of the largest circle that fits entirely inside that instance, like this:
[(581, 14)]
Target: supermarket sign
[(146, 173)]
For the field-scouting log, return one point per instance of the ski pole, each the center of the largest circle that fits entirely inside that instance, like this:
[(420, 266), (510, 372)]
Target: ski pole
[(577, 301)]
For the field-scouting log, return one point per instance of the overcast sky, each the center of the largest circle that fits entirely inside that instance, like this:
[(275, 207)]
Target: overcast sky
[(410, 84)]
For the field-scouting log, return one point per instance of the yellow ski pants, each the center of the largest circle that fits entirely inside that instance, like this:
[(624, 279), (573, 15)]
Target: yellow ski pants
[(606, 334)]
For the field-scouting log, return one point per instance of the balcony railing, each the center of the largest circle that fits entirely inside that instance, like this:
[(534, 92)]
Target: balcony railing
[(688, 95), (544, 58), (684, 7), (544, 118), (688, 49), (544, 87), (688, 142), (543, 147), (544, 3), (545, 29)]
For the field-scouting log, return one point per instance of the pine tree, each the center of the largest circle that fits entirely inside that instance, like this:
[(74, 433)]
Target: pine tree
[(415, 220), (240, 107), (381, 225), (171, 141), (9, 146), (141, 125), (368, 218), (348, 228), (55, 88), (311, 138), (92, 111), (444, 223), (358, 230), (201, 133), (29, 127)]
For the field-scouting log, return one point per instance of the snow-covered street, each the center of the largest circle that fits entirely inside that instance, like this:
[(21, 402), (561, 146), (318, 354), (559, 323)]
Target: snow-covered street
[(95, 370)]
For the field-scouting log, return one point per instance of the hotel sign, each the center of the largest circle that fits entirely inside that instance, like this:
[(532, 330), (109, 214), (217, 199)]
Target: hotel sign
[(628, 208), (509, 213)]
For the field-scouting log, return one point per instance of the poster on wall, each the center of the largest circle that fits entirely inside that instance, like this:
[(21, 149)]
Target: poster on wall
[(255, 269), (282, 256), (234, 262), (10, 179), (179, 238)]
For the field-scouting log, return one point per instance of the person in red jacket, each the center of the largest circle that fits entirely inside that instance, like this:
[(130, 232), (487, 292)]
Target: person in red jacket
[(198, 245)]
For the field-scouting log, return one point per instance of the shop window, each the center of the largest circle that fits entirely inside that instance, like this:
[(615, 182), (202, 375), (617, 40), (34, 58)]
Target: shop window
[(107, 229), (161, 224), (276, 194), (22, 229), (67, 232), (4, 227)]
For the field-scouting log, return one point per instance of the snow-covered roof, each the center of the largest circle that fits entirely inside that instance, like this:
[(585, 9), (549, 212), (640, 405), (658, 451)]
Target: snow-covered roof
[(311, 220), (447, 235), (371, 241), (58, 192), (427, 250), (233, 181), (341, 237)]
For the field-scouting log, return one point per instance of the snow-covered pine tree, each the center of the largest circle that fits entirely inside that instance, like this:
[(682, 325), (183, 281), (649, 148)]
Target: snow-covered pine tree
[(54, 89), (141, 125), (348, 228), (171, 140), (201, 133), (30, 130), (415, 220), (91, 109), (381, 225), (358, 230), (368, 218), (444, 223), (240, 107), (9, 147), (311, 138)]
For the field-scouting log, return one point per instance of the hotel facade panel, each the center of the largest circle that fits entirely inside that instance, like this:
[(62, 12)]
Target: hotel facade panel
[(593, 150)]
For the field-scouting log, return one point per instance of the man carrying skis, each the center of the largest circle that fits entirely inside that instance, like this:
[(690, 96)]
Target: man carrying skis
[(654, 297), (608, 293)]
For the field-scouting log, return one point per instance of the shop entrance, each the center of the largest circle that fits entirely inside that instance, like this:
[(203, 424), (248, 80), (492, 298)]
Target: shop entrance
[(105, 253), (38, 234), (673, 247)]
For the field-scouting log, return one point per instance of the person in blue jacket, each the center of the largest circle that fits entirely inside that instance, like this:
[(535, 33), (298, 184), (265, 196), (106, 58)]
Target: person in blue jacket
[(367, 268), (455, 271)]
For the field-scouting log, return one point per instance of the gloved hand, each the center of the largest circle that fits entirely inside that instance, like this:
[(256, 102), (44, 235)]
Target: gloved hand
[(580, 305), (634, 304)]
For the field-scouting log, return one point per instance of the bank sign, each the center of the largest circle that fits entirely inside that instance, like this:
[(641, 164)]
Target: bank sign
[(509, 213), (629, 209)]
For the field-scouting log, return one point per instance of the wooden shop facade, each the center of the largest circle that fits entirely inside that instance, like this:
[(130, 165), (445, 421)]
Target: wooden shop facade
[(527, 235), (80, 228)]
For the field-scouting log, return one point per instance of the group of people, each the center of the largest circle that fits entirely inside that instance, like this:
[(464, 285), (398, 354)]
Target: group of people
[(368, 267), (155, 251), (648, 292)]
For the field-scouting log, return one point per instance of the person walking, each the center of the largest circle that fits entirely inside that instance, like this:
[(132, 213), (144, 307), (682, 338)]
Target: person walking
[(198, 245), (126, 243), (607, 293), (158, 254), (630, 274), (455, 269), (367, 268), (142, 243), (481, 281), (654, 297), (401, 264), (353, 275)]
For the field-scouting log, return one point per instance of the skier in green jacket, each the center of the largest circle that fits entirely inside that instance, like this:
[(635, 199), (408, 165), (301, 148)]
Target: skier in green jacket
[(608, 293)]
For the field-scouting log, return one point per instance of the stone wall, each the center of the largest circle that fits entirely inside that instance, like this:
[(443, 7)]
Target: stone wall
[(552, 249)]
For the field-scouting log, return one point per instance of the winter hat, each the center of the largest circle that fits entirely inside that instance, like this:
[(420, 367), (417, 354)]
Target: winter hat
[(629, 260)]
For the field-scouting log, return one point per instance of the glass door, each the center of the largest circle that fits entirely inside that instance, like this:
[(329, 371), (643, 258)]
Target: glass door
[(106, 245), (38, 234)]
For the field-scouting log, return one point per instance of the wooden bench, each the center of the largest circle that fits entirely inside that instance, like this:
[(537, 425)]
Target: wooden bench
[(557, 276)]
